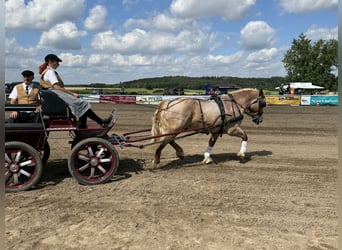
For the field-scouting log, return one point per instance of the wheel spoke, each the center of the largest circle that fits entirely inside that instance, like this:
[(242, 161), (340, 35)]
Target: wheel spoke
[(15, 178), (102, 169), (7, 176), (24, 172), (83, 157), (25, 163), (106, 160), (100, 152), (92, 172), (7, 158), (18, 155), (84, 167), (90, 151)]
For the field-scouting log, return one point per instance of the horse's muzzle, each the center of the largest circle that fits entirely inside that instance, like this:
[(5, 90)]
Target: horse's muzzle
[(257, 119)]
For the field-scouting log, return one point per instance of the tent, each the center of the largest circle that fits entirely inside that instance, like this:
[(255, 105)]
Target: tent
[(302, 85)]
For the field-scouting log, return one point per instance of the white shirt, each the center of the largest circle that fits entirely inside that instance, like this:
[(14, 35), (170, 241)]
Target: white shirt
[(50, 76), (14, 93)]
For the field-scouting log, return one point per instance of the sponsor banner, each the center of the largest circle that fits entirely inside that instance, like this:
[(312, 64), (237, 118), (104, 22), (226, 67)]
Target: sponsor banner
[(155, 99), (283, 100), (91, 98), (149, 99), (321, 100), (117, 99), (305, 100)]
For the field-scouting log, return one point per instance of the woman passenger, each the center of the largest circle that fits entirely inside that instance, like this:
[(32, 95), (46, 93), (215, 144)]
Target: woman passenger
[(81, 109)]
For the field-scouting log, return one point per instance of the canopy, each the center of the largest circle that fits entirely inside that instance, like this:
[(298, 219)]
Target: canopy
[(302, 85)]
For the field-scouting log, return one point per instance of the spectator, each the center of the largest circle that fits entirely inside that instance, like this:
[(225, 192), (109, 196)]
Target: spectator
[(81, 109), (25, 93)]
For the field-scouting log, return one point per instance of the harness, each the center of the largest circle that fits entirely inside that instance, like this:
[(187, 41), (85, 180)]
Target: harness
[(234, 118)]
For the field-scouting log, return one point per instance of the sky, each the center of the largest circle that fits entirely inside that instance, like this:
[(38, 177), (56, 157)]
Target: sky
[(113, 41)]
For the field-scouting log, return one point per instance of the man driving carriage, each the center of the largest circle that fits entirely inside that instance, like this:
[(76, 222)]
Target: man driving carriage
[(25, 93)]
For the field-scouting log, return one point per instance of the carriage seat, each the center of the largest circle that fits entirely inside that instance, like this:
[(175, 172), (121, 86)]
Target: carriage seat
[(23, 126), (52, 105)]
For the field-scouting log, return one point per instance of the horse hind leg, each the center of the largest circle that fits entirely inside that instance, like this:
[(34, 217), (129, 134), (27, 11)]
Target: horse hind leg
[(179, 149), (157, 154)]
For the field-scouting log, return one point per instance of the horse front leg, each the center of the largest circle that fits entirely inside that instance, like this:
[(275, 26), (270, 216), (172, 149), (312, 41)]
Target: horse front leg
[(207, 158), (239, 132)]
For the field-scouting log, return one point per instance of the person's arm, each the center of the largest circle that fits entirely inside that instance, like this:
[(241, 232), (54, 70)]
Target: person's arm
[(14, 100)]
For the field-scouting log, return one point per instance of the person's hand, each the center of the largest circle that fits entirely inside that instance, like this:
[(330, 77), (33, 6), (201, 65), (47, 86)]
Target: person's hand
[(14, 114), (76, 95), (39, 109)]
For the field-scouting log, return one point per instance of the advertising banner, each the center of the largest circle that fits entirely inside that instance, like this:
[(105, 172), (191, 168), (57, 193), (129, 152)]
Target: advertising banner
[(322, 100), (283, 100), (117, 99)]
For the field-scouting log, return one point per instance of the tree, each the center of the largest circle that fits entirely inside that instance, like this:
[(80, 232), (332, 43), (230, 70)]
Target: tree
[(316, 63)]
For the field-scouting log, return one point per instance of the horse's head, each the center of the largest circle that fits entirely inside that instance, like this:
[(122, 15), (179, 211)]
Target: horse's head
[(252, 101), (256, 107)]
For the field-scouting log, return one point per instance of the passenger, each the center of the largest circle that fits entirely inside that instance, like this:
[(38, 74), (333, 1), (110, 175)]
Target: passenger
[(81, 109), (25, 93)]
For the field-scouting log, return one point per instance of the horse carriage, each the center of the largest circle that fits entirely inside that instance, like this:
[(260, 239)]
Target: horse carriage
[(93, 158)]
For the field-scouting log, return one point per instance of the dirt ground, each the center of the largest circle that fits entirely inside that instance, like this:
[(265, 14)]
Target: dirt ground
[(283, 197)]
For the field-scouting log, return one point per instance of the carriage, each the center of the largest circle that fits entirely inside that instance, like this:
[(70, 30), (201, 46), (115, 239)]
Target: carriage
[(93, 158)]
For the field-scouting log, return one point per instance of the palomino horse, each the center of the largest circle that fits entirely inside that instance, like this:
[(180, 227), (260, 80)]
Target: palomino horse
[(216, 116)]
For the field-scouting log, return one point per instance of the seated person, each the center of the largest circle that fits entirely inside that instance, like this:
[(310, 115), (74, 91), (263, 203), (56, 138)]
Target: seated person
[(25, 93), (81, 109)]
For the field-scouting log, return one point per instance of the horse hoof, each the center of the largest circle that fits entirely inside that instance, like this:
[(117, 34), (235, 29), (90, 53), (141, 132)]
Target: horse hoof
[(180, 155), (154, 165), (207, 160), (241, 155)]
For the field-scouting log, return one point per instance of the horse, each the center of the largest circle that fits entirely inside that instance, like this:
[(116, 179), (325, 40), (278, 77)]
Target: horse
[(215, 116)]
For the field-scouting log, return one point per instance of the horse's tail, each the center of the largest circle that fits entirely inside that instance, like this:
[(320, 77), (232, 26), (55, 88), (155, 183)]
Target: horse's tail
[(156, 123)]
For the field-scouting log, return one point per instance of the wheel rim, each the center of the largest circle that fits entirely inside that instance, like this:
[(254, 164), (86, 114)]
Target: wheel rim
[(94, 162), (21, 168)]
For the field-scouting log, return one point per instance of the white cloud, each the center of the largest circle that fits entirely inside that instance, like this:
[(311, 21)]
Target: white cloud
[(161, 22), (154, 42), (73, 60), (315, 33), (226, 59), (18, 57), (41, 14), (257, 35), (62, 36), (302, 6), (227, 9), (262, 56), (96, 21)]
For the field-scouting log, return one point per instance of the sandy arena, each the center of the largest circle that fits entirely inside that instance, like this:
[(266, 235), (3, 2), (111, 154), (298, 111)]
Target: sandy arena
[(283, 197)]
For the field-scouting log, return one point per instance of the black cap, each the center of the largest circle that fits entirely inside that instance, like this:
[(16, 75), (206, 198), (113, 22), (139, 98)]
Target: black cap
[(27, 73), (52, 57)]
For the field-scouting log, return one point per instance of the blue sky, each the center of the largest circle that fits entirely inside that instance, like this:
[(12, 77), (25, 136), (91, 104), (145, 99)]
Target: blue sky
[(112, 41)]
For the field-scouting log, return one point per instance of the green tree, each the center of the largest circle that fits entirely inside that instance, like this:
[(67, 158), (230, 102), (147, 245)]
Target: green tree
[(312, 62)]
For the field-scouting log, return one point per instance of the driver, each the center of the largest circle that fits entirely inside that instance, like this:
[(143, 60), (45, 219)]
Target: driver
[(25, 93)]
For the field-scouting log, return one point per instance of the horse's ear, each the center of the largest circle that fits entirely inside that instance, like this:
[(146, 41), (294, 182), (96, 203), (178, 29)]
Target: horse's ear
[(261, 93)]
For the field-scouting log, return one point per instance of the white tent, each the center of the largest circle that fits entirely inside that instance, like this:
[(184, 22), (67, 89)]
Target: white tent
[(302, 85)]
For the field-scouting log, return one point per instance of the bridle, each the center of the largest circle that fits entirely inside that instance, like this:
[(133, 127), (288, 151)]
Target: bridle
[(261, 104)]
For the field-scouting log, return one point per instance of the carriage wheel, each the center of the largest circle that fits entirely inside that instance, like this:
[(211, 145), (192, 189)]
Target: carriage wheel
[(93, 161), (23, 166), (45, 154)]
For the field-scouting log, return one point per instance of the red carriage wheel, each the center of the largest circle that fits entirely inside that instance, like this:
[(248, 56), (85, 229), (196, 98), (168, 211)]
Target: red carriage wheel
[(23, 166), (93, 161)]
